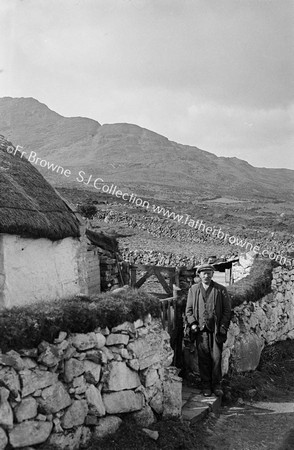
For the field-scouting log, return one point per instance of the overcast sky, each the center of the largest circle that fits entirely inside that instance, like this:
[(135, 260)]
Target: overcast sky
[(217, 74)]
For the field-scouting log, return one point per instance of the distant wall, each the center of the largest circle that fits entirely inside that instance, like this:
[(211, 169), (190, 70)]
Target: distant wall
[(39, 269)]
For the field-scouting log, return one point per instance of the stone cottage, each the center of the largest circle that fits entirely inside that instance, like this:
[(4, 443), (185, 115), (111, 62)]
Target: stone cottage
[(42, 256)]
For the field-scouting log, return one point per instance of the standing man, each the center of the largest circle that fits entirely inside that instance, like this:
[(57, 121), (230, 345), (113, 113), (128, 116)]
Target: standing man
[(208, 313)]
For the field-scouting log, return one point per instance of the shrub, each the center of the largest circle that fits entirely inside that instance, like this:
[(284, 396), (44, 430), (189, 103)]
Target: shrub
[(87, 210), (27, 326), (255, 286)]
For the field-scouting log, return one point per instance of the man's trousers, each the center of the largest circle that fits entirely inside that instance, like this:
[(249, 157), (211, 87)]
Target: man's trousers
[(209, 359)]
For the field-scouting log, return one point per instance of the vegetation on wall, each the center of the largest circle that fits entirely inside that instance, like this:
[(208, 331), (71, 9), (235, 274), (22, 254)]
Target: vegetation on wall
[(27, 326), (255, 285)]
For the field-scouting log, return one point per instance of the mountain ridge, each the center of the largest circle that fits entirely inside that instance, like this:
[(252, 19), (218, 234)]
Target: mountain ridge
[(134, 156)]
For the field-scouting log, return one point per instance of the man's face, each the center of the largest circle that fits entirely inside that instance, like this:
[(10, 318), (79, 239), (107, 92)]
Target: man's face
[(206, 276)]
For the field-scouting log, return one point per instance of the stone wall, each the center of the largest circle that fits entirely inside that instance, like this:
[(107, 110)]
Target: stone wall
[(256, 324), (84, 385)]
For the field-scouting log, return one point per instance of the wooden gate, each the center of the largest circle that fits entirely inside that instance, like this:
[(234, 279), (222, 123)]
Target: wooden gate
[(171, 308)]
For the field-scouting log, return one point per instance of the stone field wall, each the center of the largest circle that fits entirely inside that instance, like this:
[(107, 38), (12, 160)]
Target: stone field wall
[(84, 385), (256, 324)]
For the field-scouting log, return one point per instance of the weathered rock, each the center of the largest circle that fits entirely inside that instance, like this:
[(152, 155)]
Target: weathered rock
[(149, 377), (100, 340), (97, 356), (79, 385), (86, 437), (75, 415), (32, 380), (50, 356), (29, 352), (120, 377), (95, 402), (57, 425), (133, 364), (108, 355), (54, 398), (117, 339), (12, 359), (127, 327), (107, 425), (69, 441), (123, 401), (6, 414), (156, 402), (3, 439), (151, 433), (144, 417), (29, 363), (27, 409), (73, 368), (84, 342), (29, 433), (172, 395), (92, 372), (10, 379), (246, 352), (61, 337)]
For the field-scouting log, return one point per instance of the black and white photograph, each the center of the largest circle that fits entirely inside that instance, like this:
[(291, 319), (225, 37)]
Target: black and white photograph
[(147, 224)]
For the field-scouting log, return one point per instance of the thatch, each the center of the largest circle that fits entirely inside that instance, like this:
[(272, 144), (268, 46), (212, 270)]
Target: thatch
[(29, 206), (103, 241)]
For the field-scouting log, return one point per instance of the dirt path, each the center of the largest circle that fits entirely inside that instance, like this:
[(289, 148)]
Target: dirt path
[(252, 429)]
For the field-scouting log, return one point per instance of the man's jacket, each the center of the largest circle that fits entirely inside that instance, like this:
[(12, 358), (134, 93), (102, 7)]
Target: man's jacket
[(222, 305)]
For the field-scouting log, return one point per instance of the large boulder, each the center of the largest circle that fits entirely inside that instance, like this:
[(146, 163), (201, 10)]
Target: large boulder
[(27, 409), (95, 402)]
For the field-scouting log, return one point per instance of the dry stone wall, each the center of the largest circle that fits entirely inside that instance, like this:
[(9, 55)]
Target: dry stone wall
[(256, 324), (84, 385)]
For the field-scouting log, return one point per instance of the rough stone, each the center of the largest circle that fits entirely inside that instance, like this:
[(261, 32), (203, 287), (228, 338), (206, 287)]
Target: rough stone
[(27, 409), (92, 372), (86, 437), (101, 340), (61, 337), (117, 339), (29, 363), (54, 398), (32, 380), (9, 379), (96, 356), (6, 414), (120, 377), (29, 433), (108, 355), (151, 433), (84, 342), (95, 402), (144, 417), (69, 441), (107, 425), (127, 327), (156, 402), (75, 415), (133, 364), (12, 359), (123, 401), (172, 395), (73, 368), (50, 356), (3, 439), (149, 377), (79, 385), (246, 352)]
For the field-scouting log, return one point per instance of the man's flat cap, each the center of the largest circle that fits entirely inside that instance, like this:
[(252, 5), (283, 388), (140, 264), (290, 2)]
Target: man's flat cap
[(205, 267)]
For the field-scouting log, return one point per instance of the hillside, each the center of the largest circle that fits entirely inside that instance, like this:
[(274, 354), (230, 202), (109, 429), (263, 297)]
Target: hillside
[(134, 158)]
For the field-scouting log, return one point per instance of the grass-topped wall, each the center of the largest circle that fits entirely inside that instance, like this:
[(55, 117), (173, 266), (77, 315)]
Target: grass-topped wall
[(27, 326), (255, 285)]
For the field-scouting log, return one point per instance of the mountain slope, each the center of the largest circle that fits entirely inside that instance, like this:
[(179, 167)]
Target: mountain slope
[(133, 156)]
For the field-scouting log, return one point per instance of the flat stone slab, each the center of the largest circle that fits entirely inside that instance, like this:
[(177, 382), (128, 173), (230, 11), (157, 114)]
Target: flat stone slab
[(195, 406)]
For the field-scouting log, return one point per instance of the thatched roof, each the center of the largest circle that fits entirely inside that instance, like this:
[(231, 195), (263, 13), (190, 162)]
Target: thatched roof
[(29, 206), (100, 239)]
